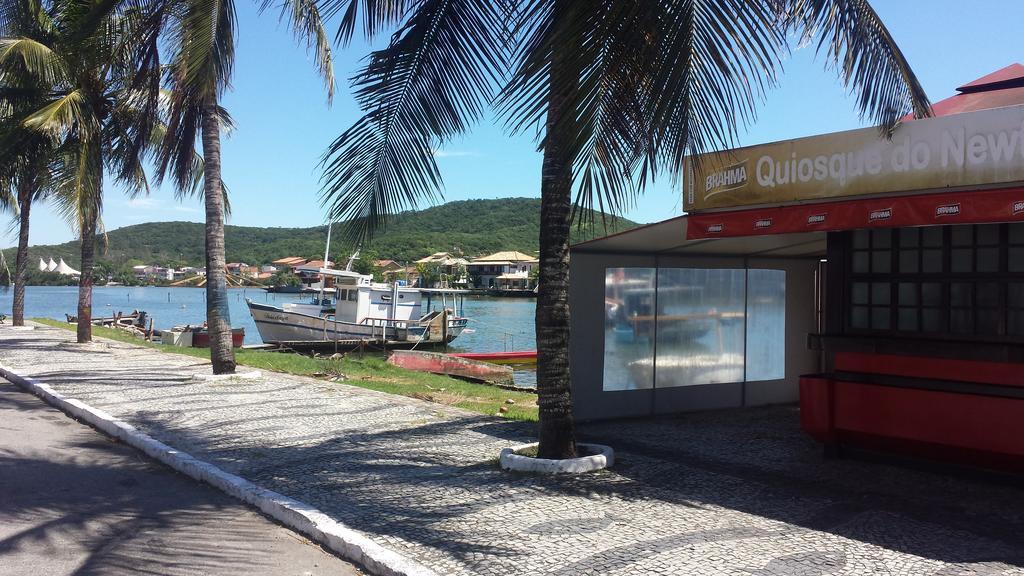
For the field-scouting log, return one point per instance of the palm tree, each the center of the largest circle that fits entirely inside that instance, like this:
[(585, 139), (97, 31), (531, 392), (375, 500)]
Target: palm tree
[(24, 154), (618, 91), (102, 71), (202, 44)]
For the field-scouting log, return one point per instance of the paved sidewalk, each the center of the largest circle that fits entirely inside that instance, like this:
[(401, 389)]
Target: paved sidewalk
[(735, 492), (74, 502)]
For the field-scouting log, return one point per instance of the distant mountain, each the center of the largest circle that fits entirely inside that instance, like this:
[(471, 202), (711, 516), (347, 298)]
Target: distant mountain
[(470, 227)]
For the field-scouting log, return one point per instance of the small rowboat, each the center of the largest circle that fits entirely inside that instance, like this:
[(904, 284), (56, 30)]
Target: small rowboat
[(521, 357), (450, 365)]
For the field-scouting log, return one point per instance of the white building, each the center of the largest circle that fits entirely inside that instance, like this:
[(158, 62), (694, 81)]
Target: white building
[(508, 270)]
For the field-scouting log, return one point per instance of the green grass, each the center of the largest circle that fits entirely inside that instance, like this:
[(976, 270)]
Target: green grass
[(370, 372)]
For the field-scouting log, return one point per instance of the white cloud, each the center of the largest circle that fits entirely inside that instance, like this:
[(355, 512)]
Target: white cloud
[(144, 203)]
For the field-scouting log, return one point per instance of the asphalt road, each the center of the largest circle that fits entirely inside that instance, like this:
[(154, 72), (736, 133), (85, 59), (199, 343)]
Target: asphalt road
[(73, 501)]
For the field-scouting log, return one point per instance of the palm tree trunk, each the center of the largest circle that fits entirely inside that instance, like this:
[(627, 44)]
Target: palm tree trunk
[(85, 281), (554, 396), (218, 318), (21, 264)]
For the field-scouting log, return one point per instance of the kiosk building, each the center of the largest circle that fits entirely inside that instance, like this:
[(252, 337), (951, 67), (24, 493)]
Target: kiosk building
[(879, 281)]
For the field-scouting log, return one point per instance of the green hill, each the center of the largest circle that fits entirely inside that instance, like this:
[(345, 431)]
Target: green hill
[(470, 227)]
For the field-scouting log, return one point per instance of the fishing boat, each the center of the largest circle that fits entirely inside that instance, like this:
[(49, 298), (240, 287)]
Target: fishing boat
[(519, 357), (358, 309)]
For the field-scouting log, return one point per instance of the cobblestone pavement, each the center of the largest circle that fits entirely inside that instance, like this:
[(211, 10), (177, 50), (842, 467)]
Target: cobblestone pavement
[(724, 493)]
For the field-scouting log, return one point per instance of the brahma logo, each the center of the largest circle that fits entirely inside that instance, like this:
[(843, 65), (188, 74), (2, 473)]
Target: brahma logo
[(1018, 207), (816, 219), (762, 223), (729, 178), (882, 214), (947, 210), (716, 228)]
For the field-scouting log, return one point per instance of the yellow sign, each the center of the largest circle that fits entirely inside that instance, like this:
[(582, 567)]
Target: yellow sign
[(962, 150)]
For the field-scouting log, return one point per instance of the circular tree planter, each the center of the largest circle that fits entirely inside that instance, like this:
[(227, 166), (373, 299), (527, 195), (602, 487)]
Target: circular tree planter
[(599, 457)]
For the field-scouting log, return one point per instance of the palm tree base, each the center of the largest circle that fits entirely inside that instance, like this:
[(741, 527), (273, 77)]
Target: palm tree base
[(598, 457)]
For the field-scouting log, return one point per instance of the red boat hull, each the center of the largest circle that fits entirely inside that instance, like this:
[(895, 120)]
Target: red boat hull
[(523, 357), (201, 339), (449, 365)]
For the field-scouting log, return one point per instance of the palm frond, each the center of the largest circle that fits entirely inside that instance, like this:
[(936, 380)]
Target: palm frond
[(433, 81), (305, 21), (858, 45), (376, 16), (67, 113), (37, 58)]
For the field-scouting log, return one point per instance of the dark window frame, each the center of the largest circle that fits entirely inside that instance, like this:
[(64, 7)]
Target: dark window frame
[(859, 318)]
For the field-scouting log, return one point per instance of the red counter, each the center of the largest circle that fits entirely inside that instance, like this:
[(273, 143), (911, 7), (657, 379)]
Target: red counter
[(963, 411)]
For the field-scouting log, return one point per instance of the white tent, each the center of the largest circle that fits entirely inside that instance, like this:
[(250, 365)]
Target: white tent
[(51, 266), (42, 265), (66, 270)]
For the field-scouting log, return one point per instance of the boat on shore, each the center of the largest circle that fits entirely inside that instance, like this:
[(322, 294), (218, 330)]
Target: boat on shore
[(454, 366), (519, 357)]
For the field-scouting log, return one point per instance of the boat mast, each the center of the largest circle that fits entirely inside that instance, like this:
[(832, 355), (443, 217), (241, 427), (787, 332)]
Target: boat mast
[(327, 252)]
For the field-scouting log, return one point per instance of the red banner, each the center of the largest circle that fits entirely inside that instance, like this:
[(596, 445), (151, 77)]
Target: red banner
[(889, 212)]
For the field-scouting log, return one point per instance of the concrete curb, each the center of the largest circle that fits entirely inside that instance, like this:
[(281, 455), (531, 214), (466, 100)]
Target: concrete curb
[(294, 514), (603, 457)]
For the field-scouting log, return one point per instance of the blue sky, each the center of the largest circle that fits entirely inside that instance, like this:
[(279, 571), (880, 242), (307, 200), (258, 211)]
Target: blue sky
[(284, 123)]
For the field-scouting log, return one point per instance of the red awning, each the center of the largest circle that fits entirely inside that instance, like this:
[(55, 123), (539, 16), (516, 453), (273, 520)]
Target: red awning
[(971, 207)]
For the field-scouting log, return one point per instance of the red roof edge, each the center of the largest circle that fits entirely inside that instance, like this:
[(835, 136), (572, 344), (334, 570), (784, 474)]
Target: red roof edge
[(1009, 77)]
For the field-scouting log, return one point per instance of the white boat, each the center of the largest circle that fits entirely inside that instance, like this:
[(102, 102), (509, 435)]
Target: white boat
[(359, 309)]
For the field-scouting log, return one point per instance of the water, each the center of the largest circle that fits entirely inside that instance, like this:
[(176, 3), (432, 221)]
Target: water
[(496, 324)]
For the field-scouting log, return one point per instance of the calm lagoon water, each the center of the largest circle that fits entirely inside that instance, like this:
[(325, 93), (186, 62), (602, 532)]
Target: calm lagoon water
[(495, 325)]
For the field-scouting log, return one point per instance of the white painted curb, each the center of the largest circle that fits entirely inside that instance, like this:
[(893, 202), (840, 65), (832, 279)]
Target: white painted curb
[(297, 515), (603, 458)]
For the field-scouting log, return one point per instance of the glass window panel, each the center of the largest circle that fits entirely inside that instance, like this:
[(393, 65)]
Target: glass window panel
[(1015, 295), (931, 236), (859, 294), (962, 260), (988, 320), (860, 263), (907, 319), (960, 294), (931, 320), (766, 325), (988, 234), (931, 261), (880, 318), (881, 239), (931, 294), (881, 261), (988, 260), (908, 261), (700, 327), (860, 238), (1016, 233), (1015, 326), (880, 293), (909, 237), (859, 317), (908, 294), (961, 320), (1016, 255), (988, 294), (628, 328), (962, 235)]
